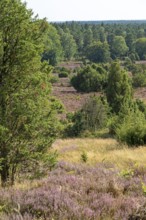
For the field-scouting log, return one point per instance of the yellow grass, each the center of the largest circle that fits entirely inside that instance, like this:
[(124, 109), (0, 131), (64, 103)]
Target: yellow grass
[(99, 150)]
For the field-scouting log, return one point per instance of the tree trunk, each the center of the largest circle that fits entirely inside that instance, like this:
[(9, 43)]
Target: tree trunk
[(4, 173)]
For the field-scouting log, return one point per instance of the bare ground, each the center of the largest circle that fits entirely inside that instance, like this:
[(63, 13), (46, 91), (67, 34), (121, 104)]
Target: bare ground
[(71, 99)]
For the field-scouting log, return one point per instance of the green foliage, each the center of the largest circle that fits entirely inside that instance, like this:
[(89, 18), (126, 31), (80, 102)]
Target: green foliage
[(139, 80), (63, 74), (119, 47), (138, 72), (54, 79), (140, 47), (132, 67), (68, 44), (119, 90), (74, 125), (130, 38), (89, 79), (119, 39), (95, 112), (132, 129), (88, 37), (144, 188), (141, 106), (93, 116), (84, 157), (59, 69), (127, 173), (28, 122), (62, 71), (40, 168), (133, 135), (53, 51), (98, 52)]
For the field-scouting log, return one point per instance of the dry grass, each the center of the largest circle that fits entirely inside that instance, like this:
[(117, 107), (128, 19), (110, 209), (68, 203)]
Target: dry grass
[(99, 150)]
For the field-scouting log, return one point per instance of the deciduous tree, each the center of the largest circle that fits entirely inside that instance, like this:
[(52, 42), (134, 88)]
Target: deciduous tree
[(98, 52)]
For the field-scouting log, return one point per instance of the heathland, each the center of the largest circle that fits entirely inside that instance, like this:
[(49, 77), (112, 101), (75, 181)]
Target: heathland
[(72, 118)]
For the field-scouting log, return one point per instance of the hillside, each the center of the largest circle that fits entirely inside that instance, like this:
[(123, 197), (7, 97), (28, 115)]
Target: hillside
[(109, 186), (74, 100)]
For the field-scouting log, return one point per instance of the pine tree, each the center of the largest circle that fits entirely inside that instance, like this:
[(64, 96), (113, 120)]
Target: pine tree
[(119, 90), (27, 112)]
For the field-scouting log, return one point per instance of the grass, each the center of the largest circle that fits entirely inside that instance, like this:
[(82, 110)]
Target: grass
[(99, 150), (79, 189)]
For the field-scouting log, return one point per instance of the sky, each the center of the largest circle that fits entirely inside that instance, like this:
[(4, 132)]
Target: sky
[(81, 10)]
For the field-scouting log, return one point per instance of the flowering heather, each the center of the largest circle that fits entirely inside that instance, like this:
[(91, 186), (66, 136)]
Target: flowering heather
[(76, 192)]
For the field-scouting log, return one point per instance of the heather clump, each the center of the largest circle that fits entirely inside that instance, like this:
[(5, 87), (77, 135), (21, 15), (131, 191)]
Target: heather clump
[(74, 192)]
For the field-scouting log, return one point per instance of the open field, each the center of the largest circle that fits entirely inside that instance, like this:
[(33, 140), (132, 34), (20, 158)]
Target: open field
[(100, 150), (113, 189), (110, 186)]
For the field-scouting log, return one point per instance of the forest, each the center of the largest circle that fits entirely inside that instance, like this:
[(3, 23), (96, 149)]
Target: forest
[(72, 118)]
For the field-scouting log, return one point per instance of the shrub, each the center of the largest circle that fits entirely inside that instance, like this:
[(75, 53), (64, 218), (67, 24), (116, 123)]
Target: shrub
[(89, 79), (61, 69), (98, 52), (133, 129), (132, 135), (91, 117), (119, 89), (63, 74), (139, 80), (54, 79), (75, 192), (141, 106), (84, 157)]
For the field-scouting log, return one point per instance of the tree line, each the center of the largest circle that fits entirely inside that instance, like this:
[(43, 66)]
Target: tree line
[(99, 42)]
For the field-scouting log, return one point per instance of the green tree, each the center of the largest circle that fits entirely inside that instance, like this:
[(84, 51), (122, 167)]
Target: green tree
[(119, 90), (93, 116), (76, 31), (118, 47), (88, 37), (28, 124), (89, 79), (98, 52), (140, 47), (53, 51), (102, 34), (140, 33), (95, 113), (68, 43), (130, 38), (132, 130)]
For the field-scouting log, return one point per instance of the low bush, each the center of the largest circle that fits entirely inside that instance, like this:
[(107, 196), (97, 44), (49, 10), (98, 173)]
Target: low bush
[(84, 157), (132, 135), (54, 79), (63, 74), (139, 80), (90, 79), (132, 129), (75, 192), (92, 117), (58, 69)]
